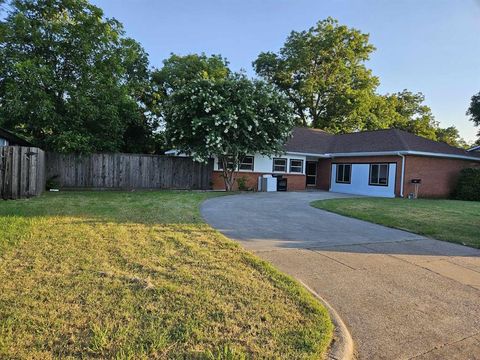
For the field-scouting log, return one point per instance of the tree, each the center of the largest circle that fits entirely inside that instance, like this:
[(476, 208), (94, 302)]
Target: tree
[(451, 136), (474, 113), (71, 81), (322, 72), (229, 118), (179, 70)]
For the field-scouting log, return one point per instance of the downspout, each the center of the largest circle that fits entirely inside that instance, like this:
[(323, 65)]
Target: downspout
[(402, 175)]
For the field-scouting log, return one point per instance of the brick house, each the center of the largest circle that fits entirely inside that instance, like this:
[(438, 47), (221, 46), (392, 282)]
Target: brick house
[(376, 163)]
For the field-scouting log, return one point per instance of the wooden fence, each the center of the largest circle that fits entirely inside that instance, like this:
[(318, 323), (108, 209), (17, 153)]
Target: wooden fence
[(128, 171), (22, 172)]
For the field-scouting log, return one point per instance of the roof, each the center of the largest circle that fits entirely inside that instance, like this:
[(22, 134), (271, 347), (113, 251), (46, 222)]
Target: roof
[(312, 141), (306, 140), (475, 148), (13, 139)]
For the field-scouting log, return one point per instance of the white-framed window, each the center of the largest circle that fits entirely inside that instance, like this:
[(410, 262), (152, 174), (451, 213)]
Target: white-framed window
[(378, 175), (247, 163), (296, 166), (344, 173), (279, 165), (229, 163), (3, 142)]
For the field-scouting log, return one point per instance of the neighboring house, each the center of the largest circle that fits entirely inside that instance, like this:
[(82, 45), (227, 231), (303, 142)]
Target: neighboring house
[(8, 138), (376, 163)]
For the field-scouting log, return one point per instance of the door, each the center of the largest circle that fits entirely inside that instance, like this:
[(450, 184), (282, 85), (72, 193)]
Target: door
[(311, 173)]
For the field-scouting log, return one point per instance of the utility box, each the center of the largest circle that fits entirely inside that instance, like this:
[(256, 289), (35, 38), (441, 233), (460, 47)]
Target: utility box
[(267, 183)]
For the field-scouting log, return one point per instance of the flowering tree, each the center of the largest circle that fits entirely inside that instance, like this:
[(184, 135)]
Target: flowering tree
[(228, 118)]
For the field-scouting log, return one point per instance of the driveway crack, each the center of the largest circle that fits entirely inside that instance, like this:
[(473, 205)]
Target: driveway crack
[(443, 345)]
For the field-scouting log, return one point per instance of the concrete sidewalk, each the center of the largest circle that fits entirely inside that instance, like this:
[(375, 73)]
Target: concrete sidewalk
[(403, 296)]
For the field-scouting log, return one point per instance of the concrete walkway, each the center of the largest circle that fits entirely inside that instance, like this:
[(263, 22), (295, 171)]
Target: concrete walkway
[(402, 296)]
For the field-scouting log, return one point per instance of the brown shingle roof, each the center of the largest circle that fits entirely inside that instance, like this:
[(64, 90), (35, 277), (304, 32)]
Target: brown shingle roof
[(306, 140), (319, 142)]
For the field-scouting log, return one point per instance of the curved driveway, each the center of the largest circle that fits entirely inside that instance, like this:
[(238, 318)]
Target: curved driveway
[(402, 295)]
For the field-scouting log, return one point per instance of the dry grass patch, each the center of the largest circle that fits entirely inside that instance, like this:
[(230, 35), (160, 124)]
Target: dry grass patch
[(139, 275)]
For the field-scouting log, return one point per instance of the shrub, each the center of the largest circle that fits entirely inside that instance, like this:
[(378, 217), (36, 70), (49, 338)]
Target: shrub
[(242, 183), (468, 186)]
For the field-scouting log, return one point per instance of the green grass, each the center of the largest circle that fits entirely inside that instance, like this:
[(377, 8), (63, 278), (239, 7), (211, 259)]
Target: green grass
[(449, 220), (137, 275)]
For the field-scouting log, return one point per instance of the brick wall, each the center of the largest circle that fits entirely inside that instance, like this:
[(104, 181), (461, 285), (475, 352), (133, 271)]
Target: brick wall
[(295, 182), (439, 175)]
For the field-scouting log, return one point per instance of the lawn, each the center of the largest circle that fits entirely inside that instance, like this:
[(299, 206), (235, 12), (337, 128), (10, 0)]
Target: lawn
[(137, 275), (449, 220)]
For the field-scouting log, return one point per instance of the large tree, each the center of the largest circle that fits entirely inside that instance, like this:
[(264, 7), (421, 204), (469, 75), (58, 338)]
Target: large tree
[(474, 112), (70, 80), (228, 118), (323, 73)]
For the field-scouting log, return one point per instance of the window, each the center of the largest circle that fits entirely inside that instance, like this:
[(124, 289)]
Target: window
[(296, 166), (280, 165), (344, 173), (229, 163), (378, 174), (247, 163)]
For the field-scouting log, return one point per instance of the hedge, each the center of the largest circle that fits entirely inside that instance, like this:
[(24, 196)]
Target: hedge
[(468, 186)]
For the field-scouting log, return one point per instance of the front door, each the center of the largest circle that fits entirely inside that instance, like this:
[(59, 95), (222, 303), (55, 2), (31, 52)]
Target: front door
[(311, 173)]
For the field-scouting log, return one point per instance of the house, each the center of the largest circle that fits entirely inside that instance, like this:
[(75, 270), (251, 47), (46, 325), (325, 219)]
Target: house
[(8, 138), (385, 163), (475, 148)]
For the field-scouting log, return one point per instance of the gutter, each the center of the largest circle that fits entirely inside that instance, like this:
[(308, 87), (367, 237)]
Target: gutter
[(402, 177), (404, 152)]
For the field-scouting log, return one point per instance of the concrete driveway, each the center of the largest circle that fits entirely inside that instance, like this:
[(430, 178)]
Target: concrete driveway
[(403, 296)]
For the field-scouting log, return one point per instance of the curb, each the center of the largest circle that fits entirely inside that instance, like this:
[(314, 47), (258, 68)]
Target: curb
[(341, 347)]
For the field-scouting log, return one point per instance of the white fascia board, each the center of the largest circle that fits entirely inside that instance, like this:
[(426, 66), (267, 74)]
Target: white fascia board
[(405, 152), (307, 154)]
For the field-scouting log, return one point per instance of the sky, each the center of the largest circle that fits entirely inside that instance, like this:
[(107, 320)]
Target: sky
[(428, 46)]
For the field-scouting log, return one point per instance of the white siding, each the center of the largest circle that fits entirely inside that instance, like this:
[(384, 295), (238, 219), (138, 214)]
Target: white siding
[(3, 142), (264, 164), (360, 179)]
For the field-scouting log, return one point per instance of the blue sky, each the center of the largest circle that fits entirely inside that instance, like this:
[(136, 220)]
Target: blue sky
[(432, 46)]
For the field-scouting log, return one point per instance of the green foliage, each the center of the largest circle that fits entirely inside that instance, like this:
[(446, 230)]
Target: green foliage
[(450, 136), (323, 74), (468, 186), (71, 81), (242, 183), (474, 112), (178, 70), (229, 118)]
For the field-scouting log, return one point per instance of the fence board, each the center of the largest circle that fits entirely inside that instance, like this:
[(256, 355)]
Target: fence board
[(22, 172), (128, 171)]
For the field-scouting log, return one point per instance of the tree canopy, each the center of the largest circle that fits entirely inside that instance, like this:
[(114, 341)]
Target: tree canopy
[(322, 71), (71, 81), (474, 113), (228, 118)]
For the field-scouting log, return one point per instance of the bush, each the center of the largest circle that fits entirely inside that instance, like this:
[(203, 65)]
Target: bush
[(468, 186), (242, 183)]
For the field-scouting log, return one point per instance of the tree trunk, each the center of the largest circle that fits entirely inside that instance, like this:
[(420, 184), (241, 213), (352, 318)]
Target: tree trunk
[(229, 174)]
